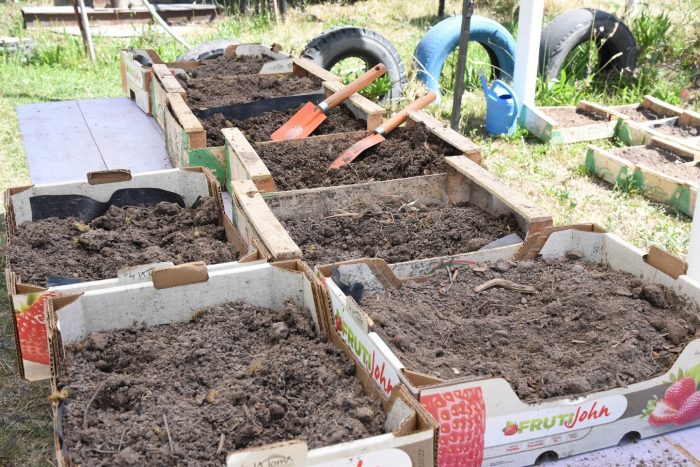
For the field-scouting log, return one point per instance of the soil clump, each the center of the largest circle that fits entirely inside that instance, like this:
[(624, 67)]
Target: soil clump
[(583, 328), (679, 131), (226, 66), (661, 160), (119, 238), (397, 230), (236, 376), (407, 152)]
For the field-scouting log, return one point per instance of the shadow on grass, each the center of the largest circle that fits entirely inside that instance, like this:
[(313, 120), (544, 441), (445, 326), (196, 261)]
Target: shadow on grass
[(26, 437)]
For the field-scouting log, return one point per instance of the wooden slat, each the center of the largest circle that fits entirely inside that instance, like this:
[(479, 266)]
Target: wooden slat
[(534, 216), (167, 79), (447, 134), (359, 105), (187, 120), (244, 162), (661, 107), (271, 233), (163, 83), (304, 67)]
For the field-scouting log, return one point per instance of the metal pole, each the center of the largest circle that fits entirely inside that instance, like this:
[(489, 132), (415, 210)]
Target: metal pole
[(441, 9), (164, 25), (86, 27), (467, 11)]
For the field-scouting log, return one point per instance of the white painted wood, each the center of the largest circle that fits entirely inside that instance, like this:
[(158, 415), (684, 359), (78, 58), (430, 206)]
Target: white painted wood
[(528, 50)]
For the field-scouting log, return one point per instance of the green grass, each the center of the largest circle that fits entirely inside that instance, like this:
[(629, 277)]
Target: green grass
[(551, 176)]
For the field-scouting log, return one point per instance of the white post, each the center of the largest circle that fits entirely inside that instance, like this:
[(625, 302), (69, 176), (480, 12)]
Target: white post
[(528, 50), (694, 246)]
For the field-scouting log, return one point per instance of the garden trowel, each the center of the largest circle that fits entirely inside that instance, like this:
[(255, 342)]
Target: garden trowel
[(378, 135), (310, 116)]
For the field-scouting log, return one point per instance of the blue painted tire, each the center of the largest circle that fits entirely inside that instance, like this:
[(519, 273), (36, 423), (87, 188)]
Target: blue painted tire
[(443, 38)]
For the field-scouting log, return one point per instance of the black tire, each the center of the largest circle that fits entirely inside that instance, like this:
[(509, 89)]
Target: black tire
[(575, 27), (334, 45), (142, 57), (206, 50)]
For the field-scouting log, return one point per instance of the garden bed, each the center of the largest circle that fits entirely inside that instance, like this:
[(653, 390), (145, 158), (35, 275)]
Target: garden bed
[(414, 150), (663, 170), (236, 376), (683, 129), (398, 220), (570, 124)]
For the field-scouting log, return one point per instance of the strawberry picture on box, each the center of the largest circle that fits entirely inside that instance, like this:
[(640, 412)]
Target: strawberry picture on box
[(31, 328), (681, 401)]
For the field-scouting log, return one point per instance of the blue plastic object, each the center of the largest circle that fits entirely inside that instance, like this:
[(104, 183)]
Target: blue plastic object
[(441, 39), (501, 107)]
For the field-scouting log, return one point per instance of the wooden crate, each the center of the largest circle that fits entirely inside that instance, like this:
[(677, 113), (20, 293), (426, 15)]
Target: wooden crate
[(619, 171), (136, 78), (640, 133), (186, 139), (245, 164), (257, 213), (550, 131)]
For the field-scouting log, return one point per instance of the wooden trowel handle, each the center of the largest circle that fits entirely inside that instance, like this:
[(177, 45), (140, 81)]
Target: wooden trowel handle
[(401, 116), (337, 98)]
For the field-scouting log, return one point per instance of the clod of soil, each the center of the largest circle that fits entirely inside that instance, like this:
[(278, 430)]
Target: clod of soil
[(639, 113), (679, 131), (397, 230), (226, 66), (120, 238), (584, 328), (214, 91), (570, 117), (236, 376), (407, 152), (660, 160), (261, 127)]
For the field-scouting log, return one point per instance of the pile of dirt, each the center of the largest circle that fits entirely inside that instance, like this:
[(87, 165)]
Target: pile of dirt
[(215, 91), (582, 328), (660, 160), (259, 128), (679, 131), (236, 376), (639, 113), (120, 238), (226, 66), (397, 230), (570, 117), (407, 152)]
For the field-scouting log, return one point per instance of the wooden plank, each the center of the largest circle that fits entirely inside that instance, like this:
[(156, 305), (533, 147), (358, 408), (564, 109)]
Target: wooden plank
[(197, 137), (167, 79), (253, 207), (689, 118), (610, 112), (244, 163), (163, 82), (534, 217), (675, 147), (125, 137), (538, 123), (661, 107), (57, 142), (447, 134), (359, 105), (136, 81), (591, 132), (304, 67)]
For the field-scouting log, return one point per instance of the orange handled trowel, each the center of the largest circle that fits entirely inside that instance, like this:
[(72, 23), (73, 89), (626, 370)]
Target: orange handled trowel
[(379, 132), (310, 116)]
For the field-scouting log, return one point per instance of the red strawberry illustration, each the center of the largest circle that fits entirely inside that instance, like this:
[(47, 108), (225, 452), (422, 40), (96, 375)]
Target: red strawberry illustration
[(339, 324), (679, 391), (31, 328), (689, 411), (510, 429), (659, 412)]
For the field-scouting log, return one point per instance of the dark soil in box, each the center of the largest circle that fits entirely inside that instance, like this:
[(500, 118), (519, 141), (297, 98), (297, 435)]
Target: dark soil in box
[(573, 117), (407, 152), (226, 66), (215, 91), (236, 376), (120, 238), (397, 230), (660, 160), (586, 328), (639, 113), (678, 131), (261, 127)]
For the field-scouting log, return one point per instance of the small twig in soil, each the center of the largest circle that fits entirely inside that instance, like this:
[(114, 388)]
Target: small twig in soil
[(346, 214), (103, 451), (486, 302), (167, 430), (506, 284), (222, 440), (574, 341), (121, 439), (87, 407)]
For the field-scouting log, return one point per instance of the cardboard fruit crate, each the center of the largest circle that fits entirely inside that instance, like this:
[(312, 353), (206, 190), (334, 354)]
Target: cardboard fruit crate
[(639, 133), (473, 411), (257, 215), (164, 82), (177, 294), (245, 164), (186, 139), (27, 203), (656, 185), (549, 130)]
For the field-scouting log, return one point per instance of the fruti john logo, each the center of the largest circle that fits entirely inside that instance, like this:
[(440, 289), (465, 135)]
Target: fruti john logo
[(568, 420)]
